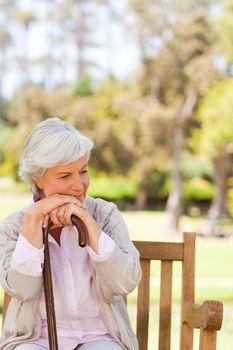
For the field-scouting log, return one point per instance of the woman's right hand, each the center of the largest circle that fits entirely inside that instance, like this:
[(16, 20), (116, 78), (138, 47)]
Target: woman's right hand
[(37, 216)]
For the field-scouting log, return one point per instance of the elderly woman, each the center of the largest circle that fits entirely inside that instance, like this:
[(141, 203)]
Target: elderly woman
[(88, 282)]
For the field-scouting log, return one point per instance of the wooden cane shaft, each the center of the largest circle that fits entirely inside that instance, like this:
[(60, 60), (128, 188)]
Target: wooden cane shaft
[(47, 277)]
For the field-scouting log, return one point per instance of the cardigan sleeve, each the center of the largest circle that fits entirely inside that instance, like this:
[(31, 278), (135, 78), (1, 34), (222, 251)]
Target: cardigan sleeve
[(105, 248), (26, 258), (120, 273), (16, 283)]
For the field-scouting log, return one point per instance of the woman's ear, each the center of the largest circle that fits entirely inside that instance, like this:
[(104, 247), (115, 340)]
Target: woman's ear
[(38, 182)]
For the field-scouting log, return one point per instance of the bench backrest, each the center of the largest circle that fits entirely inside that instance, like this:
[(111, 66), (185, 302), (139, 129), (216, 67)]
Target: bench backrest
[(192, 315)]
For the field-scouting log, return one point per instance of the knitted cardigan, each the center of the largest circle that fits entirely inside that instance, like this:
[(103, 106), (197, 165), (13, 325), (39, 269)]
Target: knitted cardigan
[(114, 277)]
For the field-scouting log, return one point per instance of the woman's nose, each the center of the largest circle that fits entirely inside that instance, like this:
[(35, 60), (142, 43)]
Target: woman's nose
[(77, 182)]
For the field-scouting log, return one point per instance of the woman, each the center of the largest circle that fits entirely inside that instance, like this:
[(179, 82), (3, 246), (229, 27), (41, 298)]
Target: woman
[(88, 282)]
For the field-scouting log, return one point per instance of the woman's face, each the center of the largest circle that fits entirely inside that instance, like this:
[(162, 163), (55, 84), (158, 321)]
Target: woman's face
[(70, 179)]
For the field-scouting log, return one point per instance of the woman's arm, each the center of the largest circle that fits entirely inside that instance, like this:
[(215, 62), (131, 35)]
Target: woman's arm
[(16, 284), (120, 273), (15, 277)]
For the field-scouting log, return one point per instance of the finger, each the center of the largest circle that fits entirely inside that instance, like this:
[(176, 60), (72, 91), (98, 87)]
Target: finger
[(54, 218), (62, 198), (61, 215), (69, 210), (73, 209), (46, 221), (80, 212), (53, 202)]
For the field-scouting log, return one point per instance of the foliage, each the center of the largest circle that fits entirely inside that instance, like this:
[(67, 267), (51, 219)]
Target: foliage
[(84, 87), (113, 188), (176, 77), (7, 161), (198, 189), (216, 118), (197, 165), (6, 133), (108, 128), (230, 195)]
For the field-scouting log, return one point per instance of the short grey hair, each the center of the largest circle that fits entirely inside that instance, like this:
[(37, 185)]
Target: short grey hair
[(52, 142)]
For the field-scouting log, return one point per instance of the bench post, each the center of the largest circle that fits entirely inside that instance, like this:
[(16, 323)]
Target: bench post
[(188, 277)]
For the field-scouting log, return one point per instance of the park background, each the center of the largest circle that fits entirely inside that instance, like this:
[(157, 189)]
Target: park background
[(151, 83)]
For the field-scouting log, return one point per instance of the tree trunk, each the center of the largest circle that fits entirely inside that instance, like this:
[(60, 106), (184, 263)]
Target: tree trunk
[(144, 175), (218, 206), (142, 198), (174, 202)]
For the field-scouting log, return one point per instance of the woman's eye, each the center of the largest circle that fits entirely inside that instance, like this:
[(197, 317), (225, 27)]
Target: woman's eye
[(83, 172), (65, 176)]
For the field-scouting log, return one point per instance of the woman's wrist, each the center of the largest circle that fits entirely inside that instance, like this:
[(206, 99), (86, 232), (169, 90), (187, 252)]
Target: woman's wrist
[(93, 232), (32, 228)]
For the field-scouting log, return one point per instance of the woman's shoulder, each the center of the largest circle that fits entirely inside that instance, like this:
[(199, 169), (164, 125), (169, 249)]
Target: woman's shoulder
[(13, 222), (99, 206), (108, 217)]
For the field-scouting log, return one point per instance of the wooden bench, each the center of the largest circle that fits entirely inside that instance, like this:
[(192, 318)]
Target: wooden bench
[(207, 317)]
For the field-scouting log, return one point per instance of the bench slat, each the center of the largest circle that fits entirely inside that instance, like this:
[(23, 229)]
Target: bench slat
[(188, 285), (160, 250), (208, 340), (143, 306), (165, 306)]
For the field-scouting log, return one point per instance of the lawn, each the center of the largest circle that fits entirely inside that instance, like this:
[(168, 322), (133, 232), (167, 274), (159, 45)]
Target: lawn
[(214, 261)]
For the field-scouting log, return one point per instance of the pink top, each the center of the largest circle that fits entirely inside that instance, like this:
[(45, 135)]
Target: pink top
[(77, 311)]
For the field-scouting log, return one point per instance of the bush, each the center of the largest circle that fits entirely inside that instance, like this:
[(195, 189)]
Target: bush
[(198, 189), (113, 188)]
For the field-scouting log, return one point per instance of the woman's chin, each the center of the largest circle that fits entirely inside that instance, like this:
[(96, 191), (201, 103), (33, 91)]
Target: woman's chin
[(81, 198)]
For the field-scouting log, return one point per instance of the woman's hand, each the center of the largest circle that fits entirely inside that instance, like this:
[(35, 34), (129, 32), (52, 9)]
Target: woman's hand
[(62, 217), (38, 214)]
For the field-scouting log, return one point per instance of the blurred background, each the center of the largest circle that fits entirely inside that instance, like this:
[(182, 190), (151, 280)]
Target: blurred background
[(150, 81)]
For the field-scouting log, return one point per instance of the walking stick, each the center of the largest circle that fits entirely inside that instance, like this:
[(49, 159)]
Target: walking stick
[(47, 277)]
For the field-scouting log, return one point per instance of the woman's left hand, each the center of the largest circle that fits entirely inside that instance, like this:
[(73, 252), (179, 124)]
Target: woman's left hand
[(62, 216)]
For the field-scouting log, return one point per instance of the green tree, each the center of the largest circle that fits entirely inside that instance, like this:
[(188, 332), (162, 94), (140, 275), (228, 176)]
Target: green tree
[(144, 135), (96, 115), (176, 77), (215, 139), (106, 127)]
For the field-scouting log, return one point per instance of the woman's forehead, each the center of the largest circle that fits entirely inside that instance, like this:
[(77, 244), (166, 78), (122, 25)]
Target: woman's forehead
[(70, 167)]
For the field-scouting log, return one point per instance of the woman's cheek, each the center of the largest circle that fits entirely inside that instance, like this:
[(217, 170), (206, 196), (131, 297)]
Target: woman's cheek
[(86, 183), (56, 189)]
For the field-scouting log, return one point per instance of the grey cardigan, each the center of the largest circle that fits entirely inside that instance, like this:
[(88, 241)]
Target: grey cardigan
[(114, 277)]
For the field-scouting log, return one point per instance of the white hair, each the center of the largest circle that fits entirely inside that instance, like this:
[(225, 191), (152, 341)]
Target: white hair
[(52, 142)]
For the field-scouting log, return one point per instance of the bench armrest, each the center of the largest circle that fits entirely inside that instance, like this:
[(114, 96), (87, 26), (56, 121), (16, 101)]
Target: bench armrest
[(207, 316)]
